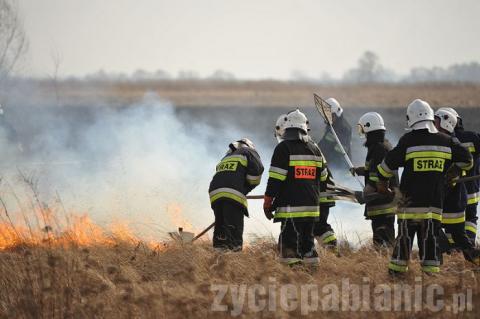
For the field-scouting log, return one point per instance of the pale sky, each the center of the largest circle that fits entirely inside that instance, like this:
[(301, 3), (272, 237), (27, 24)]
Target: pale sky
[(251, 38)]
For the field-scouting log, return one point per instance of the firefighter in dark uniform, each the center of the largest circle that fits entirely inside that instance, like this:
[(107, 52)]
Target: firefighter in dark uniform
[(343, 129), (380, 211), (322, 230), (425, 155), (471, 141), (296, 171), (453, 216), (239, 171)]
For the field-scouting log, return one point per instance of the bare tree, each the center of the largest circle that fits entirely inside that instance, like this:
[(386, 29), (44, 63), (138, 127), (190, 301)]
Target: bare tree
[(13, 41)]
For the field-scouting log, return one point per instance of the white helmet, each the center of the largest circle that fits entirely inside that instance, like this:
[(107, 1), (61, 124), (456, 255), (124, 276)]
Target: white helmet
[(371, 121), (448, 120), (280, 127), (296, 119), (244, 142), (449, 109), (335, 106), (419, 111)]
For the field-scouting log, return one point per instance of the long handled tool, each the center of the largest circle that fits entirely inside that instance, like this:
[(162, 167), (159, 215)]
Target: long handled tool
[(325, 111), (203, 232)]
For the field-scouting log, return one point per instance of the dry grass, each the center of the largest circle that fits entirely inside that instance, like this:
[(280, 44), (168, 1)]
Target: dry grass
[(263, 93), (131, 279)]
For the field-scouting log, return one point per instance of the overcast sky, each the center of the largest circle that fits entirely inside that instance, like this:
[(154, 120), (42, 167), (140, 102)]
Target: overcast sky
[(251, 38)]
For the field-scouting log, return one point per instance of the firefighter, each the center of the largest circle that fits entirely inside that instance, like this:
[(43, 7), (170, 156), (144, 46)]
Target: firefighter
[(297, 168), (425, 155), (322, 231), (239, 172), (380, 211), (344, 132), (453, 216), (470, 140)]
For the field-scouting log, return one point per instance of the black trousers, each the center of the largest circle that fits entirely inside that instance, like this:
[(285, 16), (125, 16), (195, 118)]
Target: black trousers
[(458, 239), (296, 242), (228, 231), (427, 232), (383, 228), (322, 229), (471, 222)]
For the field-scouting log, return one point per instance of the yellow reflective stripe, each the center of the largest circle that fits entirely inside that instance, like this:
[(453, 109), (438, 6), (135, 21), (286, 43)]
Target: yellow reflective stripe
[(329, 239), (420, 216), (428, 154), (453, 220), (297, 214), (326, 200), (471, 149), (253, 181), (471, 229), (278, 176), (242, 161), (305, 163), (430, 268), (229, 195), (374, 179), (474, 200), (399, 268), (383, 211), (383, 172)]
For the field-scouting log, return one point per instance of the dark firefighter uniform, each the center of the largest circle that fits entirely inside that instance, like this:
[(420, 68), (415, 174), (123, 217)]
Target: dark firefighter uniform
[(329, 145), (296, 171), (425, 158), (322, 230), (453, 220), (236, 175), (380, 211), (471, 141)]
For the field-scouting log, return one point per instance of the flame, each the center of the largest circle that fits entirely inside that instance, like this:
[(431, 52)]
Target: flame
[(80, 231), (174, 211)]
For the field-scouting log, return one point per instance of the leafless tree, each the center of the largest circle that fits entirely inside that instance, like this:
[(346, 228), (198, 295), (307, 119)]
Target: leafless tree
[(13, 41)]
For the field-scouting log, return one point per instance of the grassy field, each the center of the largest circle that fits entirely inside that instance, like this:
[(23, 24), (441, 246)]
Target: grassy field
[(118, 276), (261, 93)]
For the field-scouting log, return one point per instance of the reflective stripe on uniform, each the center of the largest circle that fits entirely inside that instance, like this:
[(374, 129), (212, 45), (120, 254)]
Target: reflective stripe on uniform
[(305, 160), (324, 200), (230, 193), (398, 265), (469, 146), (373, 177), (471, 227), (278, 173), (384, 170), (450, 238), (242, 159), (381, 209), (297, 211), (428, 151), (453, 218), (473, 198), (420, 213), (324, 175), (254, 180), (431, 269), (327, 237)]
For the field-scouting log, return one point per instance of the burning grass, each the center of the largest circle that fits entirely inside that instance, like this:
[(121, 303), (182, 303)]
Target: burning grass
[(78, 269), (97, 273)]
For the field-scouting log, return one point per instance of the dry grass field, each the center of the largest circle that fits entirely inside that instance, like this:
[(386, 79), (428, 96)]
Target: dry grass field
[(86, 271), (263, 93)]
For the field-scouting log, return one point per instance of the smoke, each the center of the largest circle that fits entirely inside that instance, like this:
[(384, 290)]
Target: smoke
[(139, 164), (147, 164)]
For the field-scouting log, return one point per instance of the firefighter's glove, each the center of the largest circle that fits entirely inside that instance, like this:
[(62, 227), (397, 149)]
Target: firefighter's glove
[(382, 188), (268, 206), (453, 173), (360, 171)]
